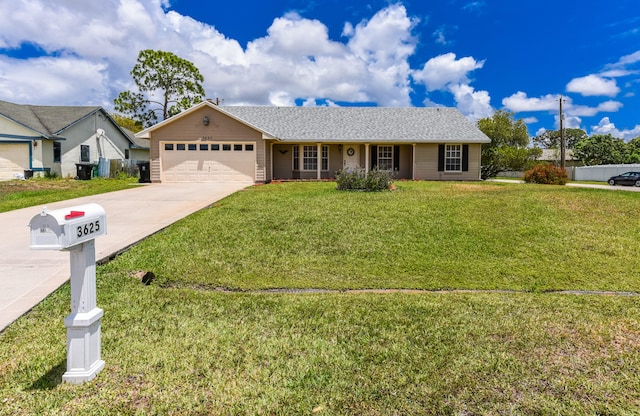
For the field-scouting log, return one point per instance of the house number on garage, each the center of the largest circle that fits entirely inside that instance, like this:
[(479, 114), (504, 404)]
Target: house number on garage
[(206, 139)]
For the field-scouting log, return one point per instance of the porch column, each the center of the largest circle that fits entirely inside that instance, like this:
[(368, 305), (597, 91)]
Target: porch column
[(270, 157), (319, 160), (366, 157), (413, 163)]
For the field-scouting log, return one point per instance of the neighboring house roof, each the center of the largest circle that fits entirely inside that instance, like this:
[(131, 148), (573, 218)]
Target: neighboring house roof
[(46, 121), (138, 142), (50, 122), (350, 124), (554, 154), (365, 124)]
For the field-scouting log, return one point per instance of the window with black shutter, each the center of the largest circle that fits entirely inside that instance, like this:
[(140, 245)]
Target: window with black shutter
[(374, 157)]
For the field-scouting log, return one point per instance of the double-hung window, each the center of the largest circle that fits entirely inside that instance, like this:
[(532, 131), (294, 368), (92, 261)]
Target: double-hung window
[(385, 157), (453, 158), (310, 158)]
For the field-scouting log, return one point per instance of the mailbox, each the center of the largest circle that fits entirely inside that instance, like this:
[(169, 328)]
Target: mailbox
[(63, 228), (74, 229)]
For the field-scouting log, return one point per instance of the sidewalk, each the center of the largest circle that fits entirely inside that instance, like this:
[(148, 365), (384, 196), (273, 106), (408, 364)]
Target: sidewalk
[(28, 276)]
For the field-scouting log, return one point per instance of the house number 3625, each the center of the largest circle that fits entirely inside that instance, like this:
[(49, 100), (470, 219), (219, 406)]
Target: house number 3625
[(88, 228)]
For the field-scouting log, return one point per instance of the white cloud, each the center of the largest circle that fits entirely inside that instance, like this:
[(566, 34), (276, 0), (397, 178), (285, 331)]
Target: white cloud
[(46, 80), (446, 73), (540, 131), (474, 6), (440, 35), (530, 120), (519, 102), (295, 60), (282, 99), (444, 70), (617, 73), (605, 126), (593, 85), (294, 36), (632, 58), (570, 122), (584, 111), (473, 104)]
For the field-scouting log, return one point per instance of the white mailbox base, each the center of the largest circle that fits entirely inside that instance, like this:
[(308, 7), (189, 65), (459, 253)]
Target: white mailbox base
[(83, 346), (83, 324)]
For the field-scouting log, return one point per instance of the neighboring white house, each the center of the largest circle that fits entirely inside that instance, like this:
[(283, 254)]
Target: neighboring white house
[(56, 138)]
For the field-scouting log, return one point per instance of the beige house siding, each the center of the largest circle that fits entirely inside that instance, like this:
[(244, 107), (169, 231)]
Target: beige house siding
[(11, 127), (190, 128), (427, 164)]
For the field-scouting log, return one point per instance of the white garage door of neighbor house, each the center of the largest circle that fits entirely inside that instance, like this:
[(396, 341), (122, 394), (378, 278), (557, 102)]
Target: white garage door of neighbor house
[(14, 158), (208, 162)]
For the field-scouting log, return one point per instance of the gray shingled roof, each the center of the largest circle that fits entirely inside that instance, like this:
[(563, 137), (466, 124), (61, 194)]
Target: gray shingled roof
[(48, 121), (361, 124), (140, 143)]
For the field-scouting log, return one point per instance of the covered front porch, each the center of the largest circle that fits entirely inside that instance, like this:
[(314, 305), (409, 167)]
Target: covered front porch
[(317, 161)]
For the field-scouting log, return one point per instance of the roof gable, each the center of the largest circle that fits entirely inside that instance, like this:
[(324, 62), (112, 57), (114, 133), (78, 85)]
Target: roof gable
[(145, 134)]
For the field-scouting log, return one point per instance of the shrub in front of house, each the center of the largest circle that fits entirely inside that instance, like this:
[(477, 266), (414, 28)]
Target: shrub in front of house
[(546, 174), (359, 180)]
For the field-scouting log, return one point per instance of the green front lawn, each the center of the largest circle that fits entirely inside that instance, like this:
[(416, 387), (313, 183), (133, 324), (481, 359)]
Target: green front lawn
[(422, 236), (180, 346), (16, 194)]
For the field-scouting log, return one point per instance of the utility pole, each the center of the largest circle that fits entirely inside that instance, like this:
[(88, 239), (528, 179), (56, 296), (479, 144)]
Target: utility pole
[(562, 146)]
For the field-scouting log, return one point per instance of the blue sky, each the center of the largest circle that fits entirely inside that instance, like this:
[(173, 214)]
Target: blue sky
[(476, 55)]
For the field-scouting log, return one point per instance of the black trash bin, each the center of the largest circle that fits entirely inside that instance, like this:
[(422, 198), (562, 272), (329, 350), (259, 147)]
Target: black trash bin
[(28, 173), (83, 171), (145, 173)]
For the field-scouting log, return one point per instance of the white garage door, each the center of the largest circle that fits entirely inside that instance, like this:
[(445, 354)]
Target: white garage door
[(208, 162), (14, 158)]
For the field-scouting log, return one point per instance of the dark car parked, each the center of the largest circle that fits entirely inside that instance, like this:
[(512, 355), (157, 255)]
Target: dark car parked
[(627, 178)]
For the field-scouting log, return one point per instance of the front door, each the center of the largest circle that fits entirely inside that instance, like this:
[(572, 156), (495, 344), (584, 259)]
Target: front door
[(351, 157)]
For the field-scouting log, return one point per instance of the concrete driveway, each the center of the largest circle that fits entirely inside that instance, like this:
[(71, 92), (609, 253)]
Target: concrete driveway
[(28, 276)]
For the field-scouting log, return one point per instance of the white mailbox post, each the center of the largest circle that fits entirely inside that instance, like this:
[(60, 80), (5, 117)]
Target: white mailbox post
[(74, 229)]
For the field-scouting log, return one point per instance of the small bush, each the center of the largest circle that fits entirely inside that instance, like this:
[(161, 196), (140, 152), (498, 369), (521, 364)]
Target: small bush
[(359, 180), (546, 174), (48, 174)]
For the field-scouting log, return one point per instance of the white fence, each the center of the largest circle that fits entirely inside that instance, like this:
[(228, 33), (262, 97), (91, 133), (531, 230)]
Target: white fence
[(601, 172)]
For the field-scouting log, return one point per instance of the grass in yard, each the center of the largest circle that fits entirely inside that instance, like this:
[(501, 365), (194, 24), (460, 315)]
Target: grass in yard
[(180, 347), (424, 236), (176, 351), (16, 194)]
